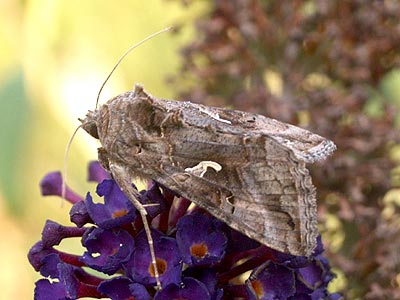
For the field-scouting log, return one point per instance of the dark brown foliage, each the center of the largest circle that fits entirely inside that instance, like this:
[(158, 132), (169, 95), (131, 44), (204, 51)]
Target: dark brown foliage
[(330, 56)]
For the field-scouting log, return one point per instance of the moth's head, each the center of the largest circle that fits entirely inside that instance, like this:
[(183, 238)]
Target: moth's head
[(89, 124)]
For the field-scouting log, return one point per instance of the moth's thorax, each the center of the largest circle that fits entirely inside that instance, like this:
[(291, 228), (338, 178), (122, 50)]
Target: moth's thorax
[(120, 122)]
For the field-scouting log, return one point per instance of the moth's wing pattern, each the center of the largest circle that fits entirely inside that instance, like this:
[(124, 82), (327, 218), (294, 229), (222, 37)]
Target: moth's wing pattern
[(264, 189), (272, 201), (306, 146)]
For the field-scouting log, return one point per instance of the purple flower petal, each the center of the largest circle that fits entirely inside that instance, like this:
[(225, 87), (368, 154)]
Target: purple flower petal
[(69, 279), (214, 253), (65, 288), (116, 288), (96, 172), (335, 296), (319, 294), (139, 292), (140, 268), (238, 242), (46, 290), (49, 266), (53, 233), (311, 276), (200, 239), (189, 289), (107, 249), (79, 214), (208, 277), (271, 282), (327, 275), (153, 197), (300, 297), (37, 253), (51, 185), (319, 248), (116, 210)]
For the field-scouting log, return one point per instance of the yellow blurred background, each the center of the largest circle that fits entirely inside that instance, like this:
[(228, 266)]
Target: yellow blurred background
[(54, 56)]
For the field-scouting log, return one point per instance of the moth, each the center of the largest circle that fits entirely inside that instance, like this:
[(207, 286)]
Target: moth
[(245, 169)]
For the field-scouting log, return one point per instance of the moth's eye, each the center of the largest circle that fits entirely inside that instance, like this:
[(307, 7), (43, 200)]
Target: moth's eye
[(92, 130), (90, 127), (89, 123)]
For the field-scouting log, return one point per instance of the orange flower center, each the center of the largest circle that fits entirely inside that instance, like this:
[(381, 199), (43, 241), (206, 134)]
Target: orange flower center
[(161, 267), (119, 213), (257, 287), (199, 250)]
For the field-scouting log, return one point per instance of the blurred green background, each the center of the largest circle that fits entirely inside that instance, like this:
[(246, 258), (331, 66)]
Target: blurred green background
[(54, 56)]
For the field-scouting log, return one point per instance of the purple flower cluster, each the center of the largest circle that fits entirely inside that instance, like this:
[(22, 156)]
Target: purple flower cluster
[(198, 256)]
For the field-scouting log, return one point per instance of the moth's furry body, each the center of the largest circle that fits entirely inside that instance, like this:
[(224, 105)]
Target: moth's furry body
[(263, 190)]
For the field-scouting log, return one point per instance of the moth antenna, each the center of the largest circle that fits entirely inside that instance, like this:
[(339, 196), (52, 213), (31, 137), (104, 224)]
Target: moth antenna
[(125, 54), (64, 172)]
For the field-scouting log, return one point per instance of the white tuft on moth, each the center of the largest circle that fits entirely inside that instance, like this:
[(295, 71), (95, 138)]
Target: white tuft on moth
[(201, 168)]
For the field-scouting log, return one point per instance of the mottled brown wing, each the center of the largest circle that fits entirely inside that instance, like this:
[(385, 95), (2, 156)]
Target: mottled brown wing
[(263, 190), (305, 145), (270, 200), (155, 113)]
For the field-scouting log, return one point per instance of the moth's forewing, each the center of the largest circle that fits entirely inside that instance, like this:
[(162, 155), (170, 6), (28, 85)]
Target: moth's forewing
[(271, 201), (305, 145), (263, 190)]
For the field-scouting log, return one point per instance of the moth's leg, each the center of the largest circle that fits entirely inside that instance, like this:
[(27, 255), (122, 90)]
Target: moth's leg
[(122, 177)]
